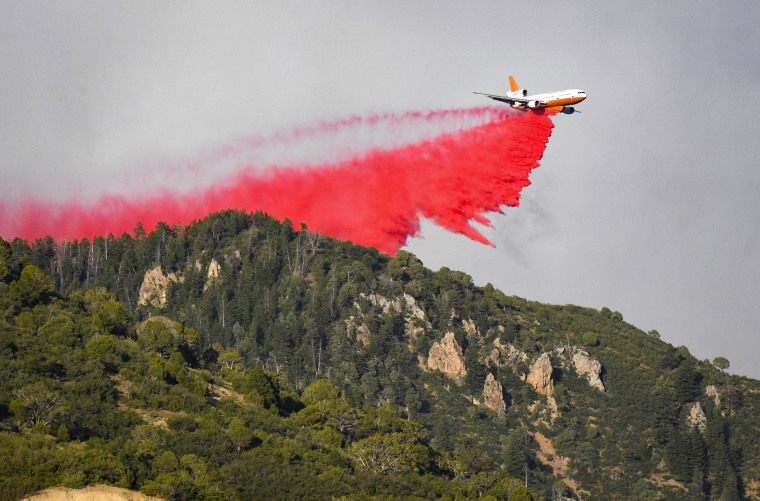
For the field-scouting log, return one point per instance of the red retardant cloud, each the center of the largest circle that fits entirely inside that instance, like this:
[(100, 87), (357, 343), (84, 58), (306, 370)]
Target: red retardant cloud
[(373, 199)]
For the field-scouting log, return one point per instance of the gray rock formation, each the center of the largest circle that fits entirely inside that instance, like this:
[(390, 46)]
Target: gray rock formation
[(588, 367), (153, 287), (540, 376), (505, 354), (358, 332), (712, 391), (469, 327), (446, 356), (493, 396), (696, 418), (416, 321), (214, 271)]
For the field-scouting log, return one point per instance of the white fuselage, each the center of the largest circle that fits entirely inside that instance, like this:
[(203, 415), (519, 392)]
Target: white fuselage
[(550, 102), (552, 99)]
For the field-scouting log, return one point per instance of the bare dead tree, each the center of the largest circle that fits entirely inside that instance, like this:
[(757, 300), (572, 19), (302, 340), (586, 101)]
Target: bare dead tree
[(97, 261), (333, 291), (41, 405), (299, 267), (251, 232), (217, 229), (60, 255), (223, 309), (376, 454), (316, 358), (79, 257), (273, 365), (270, 249), (315, 241), (90, 260)]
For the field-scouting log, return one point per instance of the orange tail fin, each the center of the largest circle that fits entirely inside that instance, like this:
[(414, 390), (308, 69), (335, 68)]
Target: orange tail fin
[(512, 84)]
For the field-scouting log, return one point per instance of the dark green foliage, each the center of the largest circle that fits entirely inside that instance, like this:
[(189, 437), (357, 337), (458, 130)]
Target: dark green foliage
[(590, 339), (300, 372), (32, 286), (85, 392), (517, 452), (721, 363), (256, 385)]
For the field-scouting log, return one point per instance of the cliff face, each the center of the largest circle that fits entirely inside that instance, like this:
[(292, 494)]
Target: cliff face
[(446, 356)]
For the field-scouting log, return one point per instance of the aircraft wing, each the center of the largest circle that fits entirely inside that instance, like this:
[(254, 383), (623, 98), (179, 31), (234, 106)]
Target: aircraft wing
[(503, 99)]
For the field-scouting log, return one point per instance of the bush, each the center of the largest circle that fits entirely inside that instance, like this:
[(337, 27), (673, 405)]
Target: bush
[(590, 339)]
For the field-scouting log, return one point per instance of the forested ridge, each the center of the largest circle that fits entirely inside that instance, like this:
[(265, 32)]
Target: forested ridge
[(240, 358)]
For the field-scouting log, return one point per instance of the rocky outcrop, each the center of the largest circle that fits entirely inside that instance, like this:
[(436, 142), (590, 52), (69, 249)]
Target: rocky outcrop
[(358, 332), (540, 376), (469, 327), (494, 358), (153, 288), (505, 354), (446, 356), (214, 272), (712, 391), (553, 409), (588, 367), (493, 396), (412, 309), (416, 321), (696, 418), (514, 355), (540, 371)]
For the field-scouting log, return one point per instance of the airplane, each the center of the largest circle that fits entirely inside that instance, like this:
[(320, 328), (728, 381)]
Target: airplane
[(558, 101)]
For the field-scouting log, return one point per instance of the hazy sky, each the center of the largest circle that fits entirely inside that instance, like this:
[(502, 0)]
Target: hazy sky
[(647, 202)]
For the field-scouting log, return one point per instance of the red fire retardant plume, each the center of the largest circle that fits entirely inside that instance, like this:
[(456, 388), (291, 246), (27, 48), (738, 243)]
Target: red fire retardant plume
[(374, 199)]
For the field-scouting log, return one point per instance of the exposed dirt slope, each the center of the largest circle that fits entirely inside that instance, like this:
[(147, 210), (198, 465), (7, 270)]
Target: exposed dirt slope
[(91, 493)]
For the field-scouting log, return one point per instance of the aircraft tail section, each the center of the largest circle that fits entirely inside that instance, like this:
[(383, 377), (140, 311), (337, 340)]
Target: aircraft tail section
[(513, 84)]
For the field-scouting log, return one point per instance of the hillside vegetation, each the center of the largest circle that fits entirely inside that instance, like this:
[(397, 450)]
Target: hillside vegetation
[(239, 358)]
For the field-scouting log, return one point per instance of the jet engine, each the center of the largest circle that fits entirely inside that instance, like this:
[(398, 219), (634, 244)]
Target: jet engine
[(518, 93), (568, 110), (533, 104)]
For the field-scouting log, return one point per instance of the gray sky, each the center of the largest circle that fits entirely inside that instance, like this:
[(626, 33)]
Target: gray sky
[(647, 202)]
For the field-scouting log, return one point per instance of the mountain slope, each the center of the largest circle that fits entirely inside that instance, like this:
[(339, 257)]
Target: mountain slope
[(497, 379)]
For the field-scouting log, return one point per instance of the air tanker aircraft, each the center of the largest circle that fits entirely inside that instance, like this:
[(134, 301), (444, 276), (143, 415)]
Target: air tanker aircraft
[(540, 103)]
